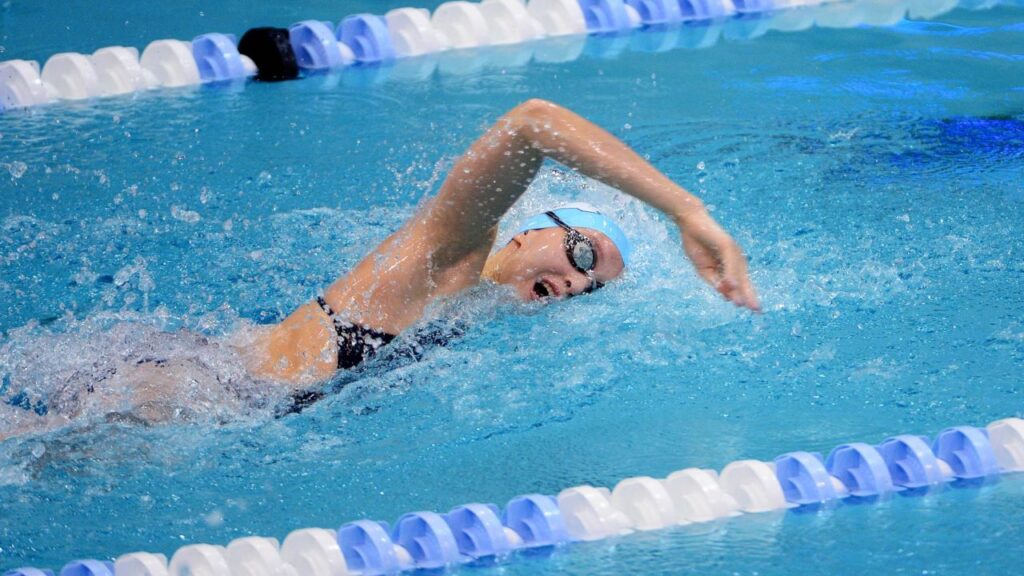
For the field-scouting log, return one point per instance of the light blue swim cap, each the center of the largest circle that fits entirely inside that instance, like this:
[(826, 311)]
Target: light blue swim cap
[(583, 215)]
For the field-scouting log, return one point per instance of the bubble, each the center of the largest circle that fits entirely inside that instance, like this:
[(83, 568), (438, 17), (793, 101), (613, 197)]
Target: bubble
[(214, 519), (184, 215)]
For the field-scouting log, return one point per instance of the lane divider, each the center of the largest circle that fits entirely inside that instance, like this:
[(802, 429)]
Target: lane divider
[(271, 54), (429, 541), (311, 46)]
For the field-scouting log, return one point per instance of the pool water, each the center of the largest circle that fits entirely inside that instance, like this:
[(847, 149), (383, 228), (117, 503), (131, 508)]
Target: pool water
[(873, 175)]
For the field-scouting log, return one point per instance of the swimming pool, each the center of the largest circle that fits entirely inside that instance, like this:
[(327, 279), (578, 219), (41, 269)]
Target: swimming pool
[(873, 175)]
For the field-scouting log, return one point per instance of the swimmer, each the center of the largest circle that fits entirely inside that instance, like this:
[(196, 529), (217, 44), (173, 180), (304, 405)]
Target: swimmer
[(446, 247)]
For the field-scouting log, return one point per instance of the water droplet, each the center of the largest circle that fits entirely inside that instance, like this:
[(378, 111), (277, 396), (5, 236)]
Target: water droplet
[(17, 169)]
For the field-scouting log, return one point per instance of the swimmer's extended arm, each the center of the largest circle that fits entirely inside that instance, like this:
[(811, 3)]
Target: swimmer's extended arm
[(499, 166)]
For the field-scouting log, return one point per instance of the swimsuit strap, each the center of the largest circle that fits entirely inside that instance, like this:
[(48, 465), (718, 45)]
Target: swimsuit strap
[(355, 343)]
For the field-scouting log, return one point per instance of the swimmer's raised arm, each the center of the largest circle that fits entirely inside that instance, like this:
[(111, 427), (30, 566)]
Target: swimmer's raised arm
[(499, 166)]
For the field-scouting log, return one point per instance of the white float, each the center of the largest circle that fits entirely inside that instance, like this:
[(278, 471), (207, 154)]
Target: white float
[(21, 86), (72, 76), (314, 552), (141, 564), (171, 62), (509, 22), (753, 485), (1007, 438), (645, 502), (462, 24), (119, 71), (697, 496), (412, 33), (589, 515), (200, 560), (256, 556), (558, 17)]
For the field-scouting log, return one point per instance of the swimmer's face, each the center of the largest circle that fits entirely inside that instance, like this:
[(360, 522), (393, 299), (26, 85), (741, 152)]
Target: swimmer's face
[(535, 264)]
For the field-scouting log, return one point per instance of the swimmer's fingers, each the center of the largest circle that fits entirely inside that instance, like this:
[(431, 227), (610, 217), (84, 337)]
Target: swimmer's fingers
[(735, 283), (719, 261)]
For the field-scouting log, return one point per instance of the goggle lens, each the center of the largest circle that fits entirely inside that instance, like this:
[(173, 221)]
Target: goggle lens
[(582, 254)]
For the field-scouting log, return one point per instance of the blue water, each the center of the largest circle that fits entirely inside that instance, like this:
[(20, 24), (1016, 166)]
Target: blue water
[(872, 174)]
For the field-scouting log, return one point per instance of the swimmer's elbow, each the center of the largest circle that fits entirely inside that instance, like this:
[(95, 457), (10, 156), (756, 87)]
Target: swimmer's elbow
[(531, 112)]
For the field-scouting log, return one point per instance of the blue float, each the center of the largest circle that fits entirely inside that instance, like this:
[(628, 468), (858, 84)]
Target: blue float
[(703, 9), (967, 451), (428, 539), (753, 6), (367, 36), (88, 568), (657, 11), (367, 548), (911, 463), (28, 572), (315, 46), (217, 58), (536, 519), (478, 530), (804, 479), (605, 15), (861, 468)]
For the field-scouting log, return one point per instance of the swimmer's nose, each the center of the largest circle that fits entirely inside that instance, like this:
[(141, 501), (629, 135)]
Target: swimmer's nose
[(576, 284)]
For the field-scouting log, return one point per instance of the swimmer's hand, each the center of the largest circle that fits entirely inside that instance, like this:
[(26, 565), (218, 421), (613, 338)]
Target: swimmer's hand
[(718, 258)]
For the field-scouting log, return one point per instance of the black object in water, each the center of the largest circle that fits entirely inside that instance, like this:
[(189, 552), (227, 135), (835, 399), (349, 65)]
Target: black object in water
[(271, 50)]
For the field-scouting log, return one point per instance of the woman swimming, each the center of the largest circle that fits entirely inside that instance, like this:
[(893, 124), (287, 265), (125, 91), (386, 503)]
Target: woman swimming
[(447, 246)]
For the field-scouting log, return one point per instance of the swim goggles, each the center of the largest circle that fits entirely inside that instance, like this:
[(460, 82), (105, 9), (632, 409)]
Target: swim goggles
[(580, 251)]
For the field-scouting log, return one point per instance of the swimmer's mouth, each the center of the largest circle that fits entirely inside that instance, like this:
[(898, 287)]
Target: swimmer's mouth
[(543, 289)]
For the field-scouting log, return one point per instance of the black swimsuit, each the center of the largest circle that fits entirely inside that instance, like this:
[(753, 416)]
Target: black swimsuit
[(355, 343)]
